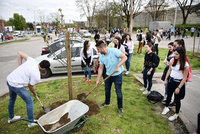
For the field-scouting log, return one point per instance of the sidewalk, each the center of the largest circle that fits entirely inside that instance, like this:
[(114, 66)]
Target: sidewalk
[(190, 106)]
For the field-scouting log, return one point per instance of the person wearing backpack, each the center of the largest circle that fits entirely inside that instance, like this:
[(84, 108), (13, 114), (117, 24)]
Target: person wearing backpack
[(176, 82), (141, 39), (157, 40), (148, 68)]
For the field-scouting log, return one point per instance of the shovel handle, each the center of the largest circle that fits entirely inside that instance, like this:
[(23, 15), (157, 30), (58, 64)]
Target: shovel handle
[(39, 101), (101, 82)]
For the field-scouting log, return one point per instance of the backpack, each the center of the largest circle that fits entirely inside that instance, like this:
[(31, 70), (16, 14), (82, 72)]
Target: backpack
[(139, 37), (159, 39), (189, 73), (157, 59), (154, 96)]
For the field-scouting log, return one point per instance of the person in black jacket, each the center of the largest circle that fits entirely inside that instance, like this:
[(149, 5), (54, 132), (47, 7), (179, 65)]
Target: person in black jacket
[(148, 68), (97, 37)]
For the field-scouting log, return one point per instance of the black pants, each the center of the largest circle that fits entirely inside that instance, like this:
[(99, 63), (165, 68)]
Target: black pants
[(104, 72), (192, 33), (198, 124), (156, 48)]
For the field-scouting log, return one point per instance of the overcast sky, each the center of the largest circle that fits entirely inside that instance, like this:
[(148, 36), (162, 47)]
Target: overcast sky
[(9, 7)]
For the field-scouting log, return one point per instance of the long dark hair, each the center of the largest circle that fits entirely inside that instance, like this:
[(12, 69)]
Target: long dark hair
[(150, 45), (119, 40), (129, 38), (181, 42), (169, 52), (182, 58), (85, 48)]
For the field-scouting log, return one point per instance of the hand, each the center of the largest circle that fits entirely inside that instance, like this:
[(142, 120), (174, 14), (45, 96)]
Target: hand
[(97, 84), (35, 95), (177, 91), (90, 63), (84, 63), (165, 83), (116, 69), (149, 73)]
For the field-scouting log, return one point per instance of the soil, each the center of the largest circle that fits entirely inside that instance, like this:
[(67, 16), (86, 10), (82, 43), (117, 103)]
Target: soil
[(63, 120)]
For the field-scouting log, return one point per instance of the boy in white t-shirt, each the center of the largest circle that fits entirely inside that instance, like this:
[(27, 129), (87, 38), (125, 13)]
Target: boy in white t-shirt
[(157, 40), (27, 73)]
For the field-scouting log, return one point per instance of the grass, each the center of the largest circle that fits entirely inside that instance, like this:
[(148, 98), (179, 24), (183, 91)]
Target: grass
[(138, 112), (20, 40)]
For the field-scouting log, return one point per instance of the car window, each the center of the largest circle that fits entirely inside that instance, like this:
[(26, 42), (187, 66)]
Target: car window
[(76, 41), (94, 51)]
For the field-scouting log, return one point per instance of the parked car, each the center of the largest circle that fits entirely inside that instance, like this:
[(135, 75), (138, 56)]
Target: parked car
[(21, 34), (16, 33), (8, 37), (56, 67), (85, 33)]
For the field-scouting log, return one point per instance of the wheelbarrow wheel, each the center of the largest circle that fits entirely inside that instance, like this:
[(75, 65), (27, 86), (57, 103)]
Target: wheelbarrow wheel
[(78, 127)]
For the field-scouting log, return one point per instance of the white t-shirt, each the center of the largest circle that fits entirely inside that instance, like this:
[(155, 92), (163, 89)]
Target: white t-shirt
[(26, 73), (89, 54), (176, 73), (107, 37), (156, 38)]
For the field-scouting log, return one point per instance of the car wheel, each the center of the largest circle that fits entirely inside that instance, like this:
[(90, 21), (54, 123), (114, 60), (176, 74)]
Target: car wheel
[(45, 73)]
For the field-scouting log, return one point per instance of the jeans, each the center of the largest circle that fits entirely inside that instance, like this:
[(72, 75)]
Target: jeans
[(118, 86), (148, 77), (128, 61), (166, 88), (89, 72), (24, 94)]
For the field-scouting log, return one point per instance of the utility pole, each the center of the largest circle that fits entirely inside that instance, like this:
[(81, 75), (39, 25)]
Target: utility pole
[(107, 12), (131, 18), (175, 16)]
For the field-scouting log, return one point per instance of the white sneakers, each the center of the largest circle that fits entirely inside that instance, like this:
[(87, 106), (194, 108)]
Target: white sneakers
[(142, 89), (146, 92), (165, 111), (127, 72), (172, 118), (15, 118), (32, 124)]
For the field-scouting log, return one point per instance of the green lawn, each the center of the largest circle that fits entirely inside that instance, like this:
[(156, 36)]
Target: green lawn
[(20, 40)]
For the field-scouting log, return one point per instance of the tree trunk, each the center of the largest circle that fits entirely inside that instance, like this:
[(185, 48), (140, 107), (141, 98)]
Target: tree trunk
[(184, 20)]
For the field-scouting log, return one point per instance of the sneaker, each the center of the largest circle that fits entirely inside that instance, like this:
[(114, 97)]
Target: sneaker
[(171, 105), (31, 124), (85, 80), (103, 105), (90, 82), (172, 118), (146, 92), (120, 112), (15, 118), (165, 110), (141, 54), (142, 89), (127, 72)]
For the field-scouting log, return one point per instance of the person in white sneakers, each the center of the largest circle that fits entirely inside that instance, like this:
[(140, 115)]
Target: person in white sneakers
[(27, 73), (177, 73), (148, 68)]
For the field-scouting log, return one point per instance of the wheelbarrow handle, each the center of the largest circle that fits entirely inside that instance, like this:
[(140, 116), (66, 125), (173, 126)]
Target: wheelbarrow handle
[(101, 83)]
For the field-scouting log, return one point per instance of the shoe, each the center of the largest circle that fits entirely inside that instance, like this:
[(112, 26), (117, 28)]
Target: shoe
[(165, 111), (172, 118), (120, 112), (15, 118), (146, 92), (90, 82), (127, 72), (85, 80), (103, 105), (141, 54), (142, 89), (171, 105)]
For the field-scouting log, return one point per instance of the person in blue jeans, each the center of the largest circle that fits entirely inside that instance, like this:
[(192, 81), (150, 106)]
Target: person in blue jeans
[(148, 68), (113, 60), (27, 73)]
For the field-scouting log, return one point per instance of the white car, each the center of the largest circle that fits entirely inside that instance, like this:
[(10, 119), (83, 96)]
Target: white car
[(56, 64), (16, 33), (85, 33)]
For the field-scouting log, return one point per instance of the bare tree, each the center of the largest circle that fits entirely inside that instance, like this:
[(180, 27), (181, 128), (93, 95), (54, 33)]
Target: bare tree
[(41, 17), (188, 7), (124, 7), (156, 8), (52, 18), (87, 8)]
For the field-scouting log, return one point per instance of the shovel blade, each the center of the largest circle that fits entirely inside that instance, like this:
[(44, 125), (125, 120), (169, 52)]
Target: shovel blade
[(81, 96), (46, 109)]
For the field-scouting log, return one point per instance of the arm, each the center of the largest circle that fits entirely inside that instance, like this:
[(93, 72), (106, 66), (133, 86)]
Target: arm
[(21, 56), (31, 87), (123, 60), (165, 61), (81, 55), (153, 62), (185, 73), (100, 71), (91, 56), (168, 73)]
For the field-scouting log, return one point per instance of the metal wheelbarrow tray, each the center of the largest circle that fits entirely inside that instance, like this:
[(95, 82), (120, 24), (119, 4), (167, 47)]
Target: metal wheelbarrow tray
[(75, 109)]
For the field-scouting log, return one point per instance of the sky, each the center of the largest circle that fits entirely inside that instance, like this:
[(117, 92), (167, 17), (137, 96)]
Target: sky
[(26, 8)]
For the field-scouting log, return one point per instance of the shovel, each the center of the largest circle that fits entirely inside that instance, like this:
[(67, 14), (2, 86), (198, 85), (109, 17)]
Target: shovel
[(46, 109), (83, 96)]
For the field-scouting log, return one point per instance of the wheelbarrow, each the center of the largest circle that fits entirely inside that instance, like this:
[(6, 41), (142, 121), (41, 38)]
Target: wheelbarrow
[(75, 109)]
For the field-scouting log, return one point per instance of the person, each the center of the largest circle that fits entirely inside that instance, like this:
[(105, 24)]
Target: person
[(141, 39), (86, 55), (112, 44), (51, 36), (2, 37), (118, 44), (148, 68), (184, 33), (176, 82), (97, 37), (27, 73), (157, 38), (169, 56), (148, 37), (198, 32), (130, 45), (172, 30), (113, 60), (192, 31), (107, 38), (198, 125)]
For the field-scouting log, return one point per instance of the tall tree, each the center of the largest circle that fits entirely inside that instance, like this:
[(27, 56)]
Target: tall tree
[(19, 22), (156, 8), (188, 7), (87, 8), (124, 9), (30, 25)]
